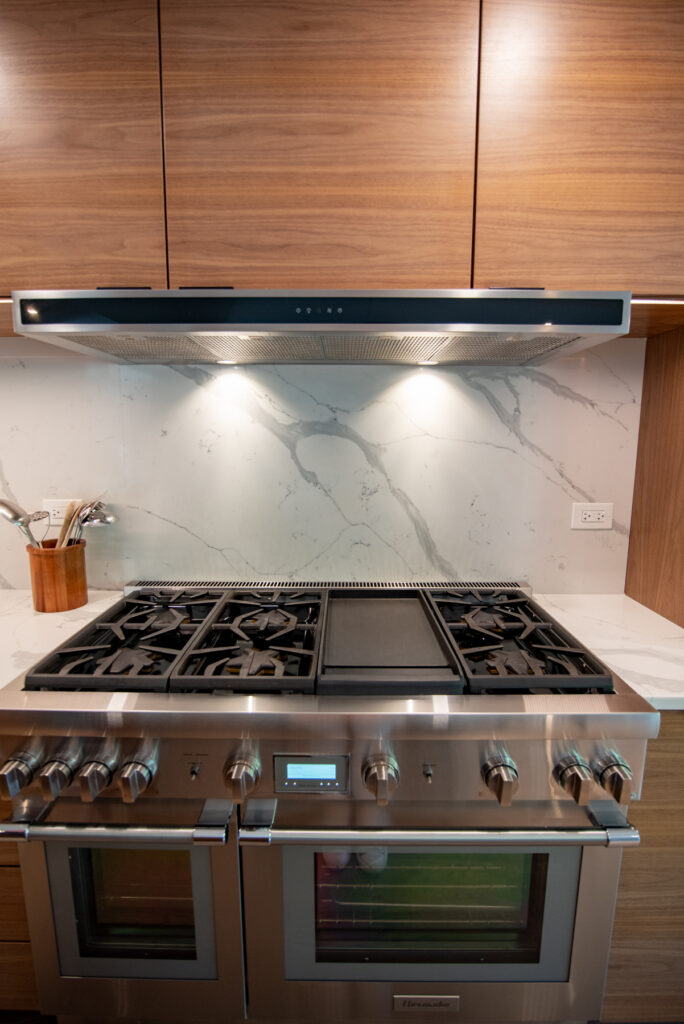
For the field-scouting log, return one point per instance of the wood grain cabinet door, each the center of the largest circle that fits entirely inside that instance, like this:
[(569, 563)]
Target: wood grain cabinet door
[(81, 170), (315, 144), (581, 145)]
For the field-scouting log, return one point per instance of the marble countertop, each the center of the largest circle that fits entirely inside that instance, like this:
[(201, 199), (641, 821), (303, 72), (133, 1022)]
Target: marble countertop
[(646, 650)]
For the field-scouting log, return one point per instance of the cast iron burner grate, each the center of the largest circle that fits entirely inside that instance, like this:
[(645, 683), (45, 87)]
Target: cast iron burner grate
[(507, 643), (133, 648), (256, 642)]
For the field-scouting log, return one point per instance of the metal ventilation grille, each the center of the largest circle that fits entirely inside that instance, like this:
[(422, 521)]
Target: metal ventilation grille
[(334, 347), (331, 584), (146, 348), (381, 348), (262, 348), (501, 348)]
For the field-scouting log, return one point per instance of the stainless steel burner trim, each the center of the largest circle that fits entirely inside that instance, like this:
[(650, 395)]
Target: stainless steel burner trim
[(332, 585)]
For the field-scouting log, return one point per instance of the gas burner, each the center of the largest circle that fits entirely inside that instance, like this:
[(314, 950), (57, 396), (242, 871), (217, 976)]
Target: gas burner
[(133, 647), (257, 641), (507, 642)]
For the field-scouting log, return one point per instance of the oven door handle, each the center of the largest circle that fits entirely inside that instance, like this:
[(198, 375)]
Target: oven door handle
[(211, 829), (611, 836)]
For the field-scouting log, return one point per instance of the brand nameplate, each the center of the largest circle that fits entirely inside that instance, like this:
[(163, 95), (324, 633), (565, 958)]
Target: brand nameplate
[(424, 1004)]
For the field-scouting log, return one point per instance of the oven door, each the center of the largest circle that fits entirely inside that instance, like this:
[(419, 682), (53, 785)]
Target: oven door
[(343, 924), (136, 922)]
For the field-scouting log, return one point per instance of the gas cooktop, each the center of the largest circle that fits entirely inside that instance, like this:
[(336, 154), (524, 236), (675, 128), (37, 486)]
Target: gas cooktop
[(328, 640)]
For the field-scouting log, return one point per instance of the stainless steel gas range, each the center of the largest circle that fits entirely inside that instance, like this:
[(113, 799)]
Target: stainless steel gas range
[(325, 803)]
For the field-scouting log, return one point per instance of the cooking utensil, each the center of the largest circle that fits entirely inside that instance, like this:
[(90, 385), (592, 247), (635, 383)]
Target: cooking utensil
[(15, 515), (66, 525)]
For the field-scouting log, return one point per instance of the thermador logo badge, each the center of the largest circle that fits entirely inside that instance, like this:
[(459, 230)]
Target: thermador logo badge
[(408, 1003)]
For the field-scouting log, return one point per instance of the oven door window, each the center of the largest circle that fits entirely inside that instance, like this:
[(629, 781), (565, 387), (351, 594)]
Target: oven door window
[(132, 912), (379, 913), (134, 903), (382, 907)]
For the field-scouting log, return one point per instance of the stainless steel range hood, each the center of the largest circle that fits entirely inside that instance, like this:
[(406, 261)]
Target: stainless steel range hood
[(514, 327)]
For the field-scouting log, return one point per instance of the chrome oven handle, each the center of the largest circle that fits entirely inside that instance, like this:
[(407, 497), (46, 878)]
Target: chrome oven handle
[(211, 829), (624, 836)]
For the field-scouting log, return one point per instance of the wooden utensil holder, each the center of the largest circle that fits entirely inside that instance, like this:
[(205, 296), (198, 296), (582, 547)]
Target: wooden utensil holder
[(58, 576)]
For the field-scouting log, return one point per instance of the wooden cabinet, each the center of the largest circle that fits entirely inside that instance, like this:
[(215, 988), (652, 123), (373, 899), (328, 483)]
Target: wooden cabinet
[(580, 175), (320, 145), (17, 982), (81, 170), (655, 564), (646, 971)]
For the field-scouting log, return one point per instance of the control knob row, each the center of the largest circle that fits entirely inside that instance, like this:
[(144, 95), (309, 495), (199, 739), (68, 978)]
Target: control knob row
[(577, 778), (67, 765)]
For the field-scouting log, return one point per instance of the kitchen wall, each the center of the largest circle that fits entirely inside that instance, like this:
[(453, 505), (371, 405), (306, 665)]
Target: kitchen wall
[(339, 472)]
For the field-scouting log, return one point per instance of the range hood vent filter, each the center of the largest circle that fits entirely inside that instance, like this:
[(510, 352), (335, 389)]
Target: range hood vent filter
[(251, 327)]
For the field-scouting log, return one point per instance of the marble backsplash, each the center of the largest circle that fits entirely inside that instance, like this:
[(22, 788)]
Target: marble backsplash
[(336, 472)]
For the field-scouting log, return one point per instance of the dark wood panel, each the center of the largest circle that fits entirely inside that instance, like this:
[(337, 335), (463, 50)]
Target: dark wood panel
[(18, 988), (581, 145), (320, 145), (9, 852), (655, 564), (646, 321), (13, 924), (81, 184), (646, 972)]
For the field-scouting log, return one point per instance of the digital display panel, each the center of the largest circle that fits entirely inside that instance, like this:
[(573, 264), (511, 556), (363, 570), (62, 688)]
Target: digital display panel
[(311, 771)]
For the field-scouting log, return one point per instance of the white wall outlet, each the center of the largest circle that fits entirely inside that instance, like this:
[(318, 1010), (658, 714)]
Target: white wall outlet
[(597, 515), (57, 507)]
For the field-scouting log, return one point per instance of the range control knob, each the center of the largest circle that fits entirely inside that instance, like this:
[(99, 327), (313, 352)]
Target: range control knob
[(18, 772), (241, 776), (615, 776), (97, 774), (501, 776), (381, 776), (92, 779), (58, 773), (575, 776), (137, 774), (134, 779)]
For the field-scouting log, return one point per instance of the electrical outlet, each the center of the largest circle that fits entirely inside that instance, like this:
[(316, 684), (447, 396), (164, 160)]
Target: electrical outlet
[(596, 515), (57, 507)]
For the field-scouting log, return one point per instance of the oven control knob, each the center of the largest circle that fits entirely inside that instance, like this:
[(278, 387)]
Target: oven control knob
[(615, 776), (98, 773), (58, 773), (501, 776), (134, 778), (576, 778), (18, 772), (381, 776), (241, 777), (92, 779)]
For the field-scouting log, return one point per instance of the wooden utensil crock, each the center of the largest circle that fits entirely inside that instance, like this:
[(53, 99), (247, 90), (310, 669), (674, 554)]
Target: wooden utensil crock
[(58, 576)]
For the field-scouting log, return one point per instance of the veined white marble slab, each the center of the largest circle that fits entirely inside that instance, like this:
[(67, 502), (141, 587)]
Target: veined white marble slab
[(646, 650), (643, 648), (330, 472), (26, 635)]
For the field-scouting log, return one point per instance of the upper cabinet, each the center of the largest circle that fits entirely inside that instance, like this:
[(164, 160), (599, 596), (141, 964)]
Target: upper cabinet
[(81, 169), (580, 179), (320, 144)]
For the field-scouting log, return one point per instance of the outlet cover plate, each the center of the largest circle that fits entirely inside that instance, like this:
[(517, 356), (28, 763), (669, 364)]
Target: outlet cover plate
[(596, 515), (57, 507)]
